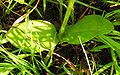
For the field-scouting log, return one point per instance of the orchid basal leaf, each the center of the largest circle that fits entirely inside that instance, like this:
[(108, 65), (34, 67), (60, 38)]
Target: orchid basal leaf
[(34, 34), (87, 28)]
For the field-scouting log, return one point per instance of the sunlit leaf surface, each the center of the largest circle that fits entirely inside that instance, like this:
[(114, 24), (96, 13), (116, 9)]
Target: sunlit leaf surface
[(34, 34)]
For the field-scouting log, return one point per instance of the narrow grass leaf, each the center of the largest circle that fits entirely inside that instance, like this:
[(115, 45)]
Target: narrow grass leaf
[(99, 48), (6, 68), (20, 62), (45, 67), (108, 42), (115, 44), (103, 68), (114, 32), (84, 4), (114, 58), (110, 14), (66, 70)]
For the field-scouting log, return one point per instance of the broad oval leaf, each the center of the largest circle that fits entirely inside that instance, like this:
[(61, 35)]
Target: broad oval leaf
[(87, 28), (34, 34)]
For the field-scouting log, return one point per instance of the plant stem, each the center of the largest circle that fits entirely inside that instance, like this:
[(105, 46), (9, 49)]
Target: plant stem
[(66, 18)]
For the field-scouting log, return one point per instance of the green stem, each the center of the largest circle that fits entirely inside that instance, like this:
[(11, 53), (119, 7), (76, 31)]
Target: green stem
[(66, 18)]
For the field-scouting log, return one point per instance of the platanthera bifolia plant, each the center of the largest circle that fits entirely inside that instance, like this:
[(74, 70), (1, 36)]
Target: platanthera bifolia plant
[(36, 36)]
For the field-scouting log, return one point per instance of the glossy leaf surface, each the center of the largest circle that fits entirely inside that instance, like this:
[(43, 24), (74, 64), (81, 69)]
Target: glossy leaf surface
[(34, 34), (87, 28)]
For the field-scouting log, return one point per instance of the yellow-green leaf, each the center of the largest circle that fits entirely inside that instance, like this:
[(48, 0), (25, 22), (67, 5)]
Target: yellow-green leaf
[(34, 34)]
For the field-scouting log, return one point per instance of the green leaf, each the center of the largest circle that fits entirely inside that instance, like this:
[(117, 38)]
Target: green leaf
[(34, 34), (87, 28)]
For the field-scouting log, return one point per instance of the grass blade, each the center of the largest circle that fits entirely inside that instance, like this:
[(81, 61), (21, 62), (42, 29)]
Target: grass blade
[(79, 2), (103, 68)]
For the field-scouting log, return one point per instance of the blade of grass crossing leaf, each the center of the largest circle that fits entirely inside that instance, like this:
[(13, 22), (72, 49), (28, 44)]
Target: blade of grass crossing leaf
[(66, 18), (31, 42), (33, 49)]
